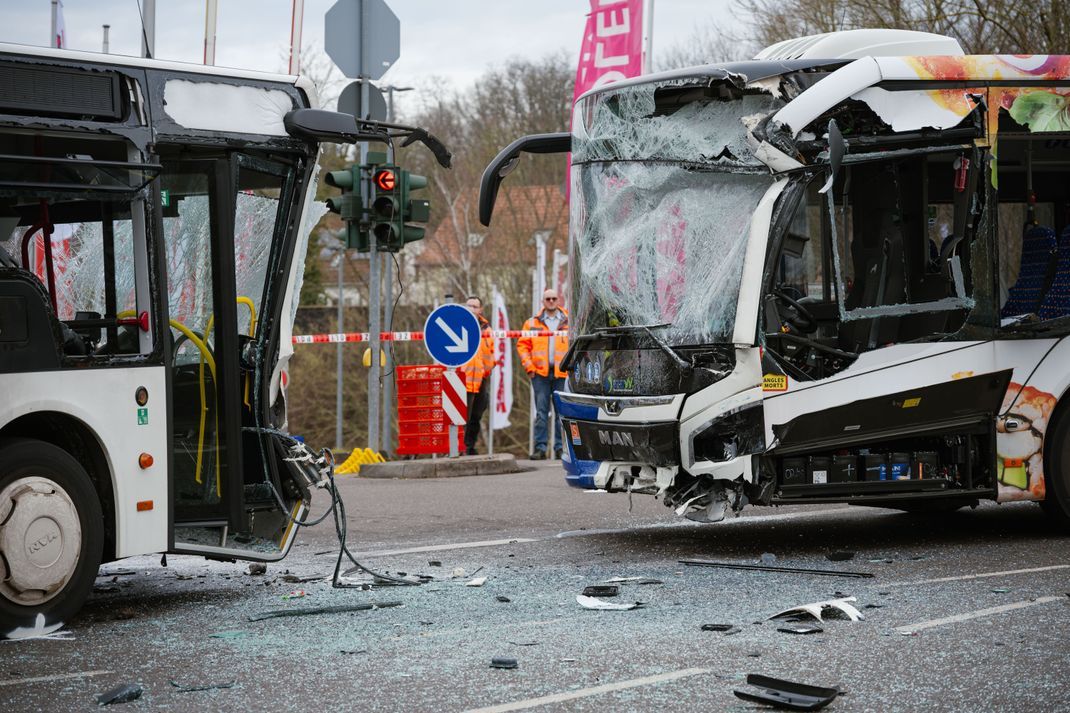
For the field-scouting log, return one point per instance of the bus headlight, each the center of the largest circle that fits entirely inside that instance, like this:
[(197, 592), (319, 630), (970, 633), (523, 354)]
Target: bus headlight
[(737, 433)]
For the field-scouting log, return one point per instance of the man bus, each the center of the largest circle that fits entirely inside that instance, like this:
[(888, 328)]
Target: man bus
[(837, 273), (155, 218)]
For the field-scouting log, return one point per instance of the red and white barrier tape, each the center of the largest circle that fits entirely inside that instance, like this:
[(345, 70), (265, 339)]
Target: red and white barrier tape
[(414, 336)]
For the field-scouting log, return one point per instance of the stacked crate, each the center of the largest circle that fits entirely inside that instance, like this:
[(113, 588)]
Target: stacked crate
[(422, 425)]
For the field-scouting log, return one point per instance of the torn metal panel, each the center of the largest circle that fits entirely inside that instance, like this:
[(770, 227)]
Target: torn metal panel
[(918, 109), (215, 106), (816, 609)]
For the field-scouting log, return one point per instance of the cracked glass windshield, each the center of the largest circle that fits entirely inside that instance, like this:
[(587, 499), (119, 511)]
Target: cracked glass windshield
[(664, 185)]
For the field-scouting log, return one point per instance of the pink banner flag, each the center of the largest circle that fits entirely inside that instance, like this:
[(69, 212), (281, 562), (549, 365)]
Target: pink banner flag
[(612, 46), (502, 377)]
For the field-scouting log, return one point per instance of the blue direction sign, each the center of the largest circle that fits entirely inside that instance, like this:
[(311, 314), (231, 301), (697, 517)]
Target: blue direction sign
[(451, 334)]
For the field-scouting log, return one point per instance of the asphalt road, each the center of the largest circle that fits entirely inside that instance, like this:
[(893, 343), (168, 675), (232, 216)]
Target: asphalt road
[(964, 612)]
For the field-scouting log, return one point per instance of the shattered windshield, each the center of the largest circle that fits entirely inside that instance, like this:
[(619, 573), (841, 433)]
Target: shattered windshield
[(662, 199)]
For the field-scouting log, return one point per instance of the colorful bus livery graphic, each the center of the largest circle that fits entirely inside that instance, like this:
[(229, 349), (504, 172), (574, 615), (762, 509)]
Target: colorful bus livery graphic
[(1020, 442)]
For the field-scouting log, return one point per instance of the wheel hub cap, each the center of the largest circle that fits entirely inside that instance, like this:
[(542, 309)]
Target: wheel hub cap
[(40, 540)]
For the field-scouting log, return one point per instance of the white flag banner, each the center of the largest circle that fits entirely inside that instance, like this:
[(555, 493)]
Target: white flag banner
[(501, 380), (61, 28)]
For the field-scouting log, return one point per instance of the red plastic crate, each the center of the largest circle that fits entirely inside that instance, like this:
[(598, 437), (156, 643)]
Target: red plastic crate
[(428, 444), (414, 428), (410, 373), (415, 413)]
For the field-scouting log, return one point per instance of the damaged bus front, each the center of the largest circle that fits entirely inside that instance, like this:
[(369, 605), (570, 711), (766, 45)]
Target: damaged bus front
[(790, 282)]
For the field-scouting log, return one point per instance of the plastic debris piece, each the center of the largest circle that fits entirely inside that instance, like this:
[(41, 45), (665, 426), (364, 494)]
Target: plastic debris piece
[(120, 694), (181, 688), (313, 611), (633, 580), (771, 568), (800, 629), (816, 609), (458, 573), (569, 660), (726, 629), (302, 579), (524, 643), (767, 558), (477, 582), (601, 590), (1000, 590), (295, 594), (839, 556), (593, 603), (257, 568), (434, 563), (503, 662), (228, 635), (503, 599), (786, 695), (39, 631), (353, 651), (873, 606)]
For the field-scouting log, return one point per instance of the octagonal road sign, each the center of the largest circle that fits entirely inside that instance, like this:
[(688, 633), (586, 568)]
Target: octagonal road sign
[(362, 49), (451, 334)]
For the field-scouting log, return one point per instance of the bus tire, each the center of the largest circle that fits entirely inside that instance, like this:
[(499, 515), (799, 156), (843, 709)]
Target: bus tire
[(51, 537), (1056, 502)]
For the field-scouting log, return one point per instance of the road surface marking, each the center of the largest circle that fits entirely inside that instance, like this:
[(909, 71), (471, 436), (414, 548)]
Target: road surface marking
[(980, 575), (440, 548), (912, 628), (593, 691), (57, 677), (690, 524)]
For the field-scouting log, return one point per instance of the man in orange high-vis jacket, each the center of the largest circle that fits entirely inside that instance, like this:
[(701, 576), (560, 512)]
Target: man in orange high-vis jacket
[(477, 378), (541, 357)]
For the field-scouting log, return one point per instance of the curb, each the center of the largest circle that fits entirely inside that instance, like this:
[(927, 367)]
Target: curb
[(496, 464)]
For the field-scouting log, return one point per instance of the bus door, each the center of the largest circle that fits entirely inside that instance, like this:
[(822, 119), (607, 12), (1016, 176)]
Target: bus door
[(221, 217)]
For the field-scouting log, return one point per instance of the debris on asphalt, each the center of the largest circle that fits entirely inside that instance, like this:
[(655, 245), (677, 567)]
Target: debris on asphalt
[(182, 688), (312, 611), (767, 558), (298, 579), (39, 630), (839, 556), (633, 580), (120, 694), (353, 651), (117, 573), (770, 568), (434, 563), (524, 643), (593, 603), (257, 568), (601, 590), (786, 695), (800, 629), (503, 599), (458, 573), (295, 594), (999, 590), (477, 582), (105, 588), (503, 662), (816, 609), (726, 629), (228, 635)]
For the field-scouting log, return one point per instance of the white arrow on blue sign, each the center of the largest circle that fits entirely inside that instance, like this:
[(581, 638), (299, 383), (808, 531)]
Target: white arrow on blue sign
[(451, 334)]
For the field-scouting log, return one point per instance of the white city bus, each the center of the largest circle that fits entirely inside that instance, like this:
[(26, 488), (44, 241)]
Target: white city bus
[(839, 272), (153, 224)]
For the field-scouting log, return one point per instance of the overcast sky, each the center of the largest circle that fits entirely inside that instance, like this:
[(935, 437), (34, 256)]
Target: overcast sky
[(453, 40)]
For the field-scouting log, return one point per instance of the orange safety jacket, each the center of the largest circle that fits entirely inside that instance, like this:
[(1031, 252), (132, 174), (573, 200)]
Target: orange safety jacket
[(479, 366), (535, 351)]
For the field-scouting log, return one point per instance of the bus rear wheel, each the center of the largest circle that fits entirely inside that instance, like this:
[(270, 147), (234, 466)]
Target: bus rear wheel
[(51, 537), (1056, 502)]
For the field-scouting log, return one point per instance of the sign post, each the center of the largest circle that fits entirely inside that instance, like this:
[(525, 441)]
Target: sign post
[(363, 37), (452, 337)]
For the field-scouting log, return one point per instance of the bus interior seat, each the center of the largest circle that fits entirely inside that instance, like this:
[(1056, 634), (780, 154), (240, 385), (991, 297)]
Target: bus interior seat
[(1057, 299), (1034, 272)]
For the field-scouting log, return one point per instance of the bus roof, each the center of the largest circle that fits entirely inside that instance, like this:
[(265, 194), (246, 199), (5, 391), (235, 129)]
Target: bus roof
[(300, 82)]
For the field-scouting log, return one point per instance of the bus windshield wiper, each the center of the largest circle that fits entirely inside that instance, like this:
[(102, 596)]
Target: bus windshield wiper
[(648, 328)]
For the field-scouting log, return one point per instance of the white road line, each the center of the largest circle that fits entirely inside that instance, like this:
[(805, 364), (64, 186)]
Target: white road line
[(441, 548), (57, 677), (910, 629), (593, 691), (690, 524), (980, 575)]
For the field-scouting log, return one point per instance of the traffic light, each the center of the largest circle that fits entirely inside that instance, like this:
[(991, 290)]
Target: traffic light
[(413, 210), (348, 205), (386, 208)]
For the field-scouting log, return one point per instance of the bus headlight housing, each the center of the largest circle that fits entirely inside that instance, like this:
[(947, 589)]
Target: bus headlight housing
[(739, 432)]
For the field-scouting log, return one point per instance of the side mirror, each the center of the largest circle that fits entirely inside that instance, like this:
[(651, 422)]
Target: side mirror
[(328, 126), (508, 159), (837, 150)]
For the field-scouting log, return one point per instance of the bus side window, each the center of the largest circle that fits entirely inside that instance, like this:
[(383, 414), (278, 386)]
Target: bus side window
[(1033, 189), (92, 256)]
